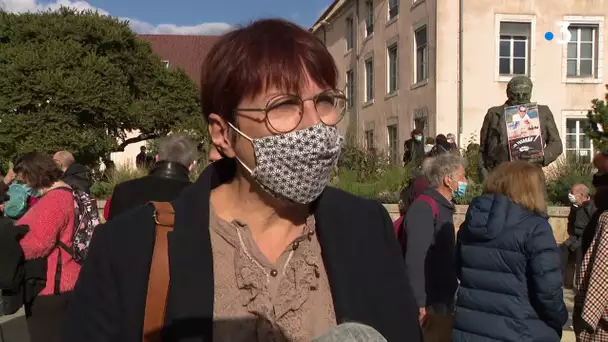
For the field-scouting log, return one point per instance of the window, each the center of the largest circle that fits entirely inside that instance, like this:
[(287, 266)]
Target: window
[(393, 9), (369, 80), (369, 140), (350, 88), (393, 143), (369, 22), (582, 51), (514, 48), (421, 121), (578, 144), (393, 58), (422, 54), (350, 34), (166, 63)]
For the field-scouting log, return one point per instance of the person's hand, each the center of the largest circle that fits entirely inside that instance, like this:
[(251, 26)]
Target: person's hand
[(422, 315), (10, 177)]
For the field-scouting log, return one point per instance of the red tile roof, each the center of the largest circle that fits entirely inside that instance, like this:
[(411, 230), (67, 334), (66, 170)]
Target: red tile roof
[(184, 52)]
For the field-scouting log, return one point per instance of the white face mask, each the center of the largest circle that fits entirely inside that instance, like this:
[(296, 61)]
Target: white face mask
[(297, 165), (572, 198)]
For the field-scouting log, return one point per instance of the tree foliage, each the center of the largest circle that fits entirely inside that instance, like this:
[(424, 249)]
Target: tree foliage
[(598, 119), (79, 81)]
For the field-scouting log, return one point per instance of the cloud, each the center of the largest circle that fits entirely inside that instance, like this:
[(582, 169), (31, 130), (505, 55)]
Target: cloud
[(20, 6)]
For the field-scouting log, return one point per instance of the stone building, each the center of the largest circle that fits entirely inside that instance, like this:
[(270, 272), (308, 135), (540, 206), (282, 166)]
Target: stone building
[(438, 65)]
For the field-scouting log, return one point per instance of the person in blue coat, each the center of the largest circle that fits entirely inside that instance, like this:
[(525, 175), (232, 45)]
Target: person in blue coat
[(508, 262)]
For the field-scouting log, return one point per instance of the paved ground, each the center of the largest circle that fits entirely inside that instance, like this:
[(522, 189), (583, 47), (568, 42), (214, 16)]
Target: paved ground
[(13, 328)]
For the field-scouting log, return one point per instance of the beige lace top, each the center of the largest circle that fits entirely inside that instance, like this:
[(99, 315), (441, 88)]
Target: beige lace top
[(258, 301)]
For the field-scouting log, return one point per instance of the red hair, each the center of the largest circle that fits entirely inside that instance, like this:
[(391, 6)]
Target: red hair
[(245, 62)]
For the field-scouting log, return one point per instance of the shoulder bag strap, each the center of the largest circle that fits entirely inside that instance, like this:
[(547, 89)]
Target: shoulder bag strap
[(158, 282)]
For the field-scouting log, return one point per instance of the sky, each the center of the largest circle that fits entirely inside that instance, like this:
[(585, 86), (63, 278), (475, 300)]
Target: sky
[(185, 16)]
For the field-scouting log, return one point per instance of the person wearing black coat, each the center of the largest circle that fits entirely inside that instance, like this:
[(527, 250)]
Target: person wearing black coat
[(364, 265), (75, 175), (581, 212), (414, 149), (169, 176), (508, 262), (262, 248)]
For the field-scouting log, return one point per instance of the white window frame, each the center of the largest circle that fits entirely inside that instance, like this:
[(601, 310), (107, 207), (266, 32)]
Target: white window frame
[(350, 88), (512, 58), (388, 11), (390, 124), (415, 80), (373, 138), (578, 59), (599, 49), (516, 18), (369, 99), (350, 33), (370, 16), (575, 115), (390, 46)]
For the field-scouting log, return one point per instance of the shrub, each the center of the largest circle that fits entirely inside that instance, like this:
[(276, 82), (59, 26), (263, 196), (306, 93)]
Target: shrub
[(369, 174), (562, 175), (103, 188)]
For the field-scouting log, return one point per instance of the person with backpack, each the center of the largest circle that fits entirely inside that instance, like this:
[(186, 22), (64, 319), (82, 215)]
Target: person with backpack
[(51, 222), (416, 187), (429, 245)]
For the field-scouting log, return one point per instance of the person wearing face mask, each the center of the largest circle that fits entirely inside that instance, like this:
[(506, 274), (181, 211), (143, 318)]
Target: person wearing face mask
[(508, 262), (493, 136), (581, 211), (452, 141), (429, 245), (414, 149), (260, 247)]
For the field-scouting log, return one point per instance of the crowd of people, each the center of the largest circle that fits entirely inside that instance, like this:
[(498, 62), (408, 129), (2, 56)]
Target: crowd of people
[(260, 248)]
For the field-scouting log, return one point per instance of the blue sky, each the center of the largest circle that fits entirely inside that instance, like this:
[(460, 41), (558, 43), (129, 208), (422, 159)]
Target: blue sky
[(186, 16)]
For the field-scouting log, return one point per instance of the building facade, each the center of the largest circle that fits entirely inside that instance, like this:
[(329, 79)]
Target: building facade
[(408, 64)]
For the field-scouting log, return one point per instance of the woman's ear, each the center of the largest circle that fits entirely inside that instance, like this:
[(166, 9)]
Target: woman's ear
[(220, 133)]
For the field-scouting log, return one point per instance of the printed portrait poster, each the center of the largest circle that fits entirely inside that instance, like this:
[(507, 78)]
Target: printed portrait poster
[(523, 131)]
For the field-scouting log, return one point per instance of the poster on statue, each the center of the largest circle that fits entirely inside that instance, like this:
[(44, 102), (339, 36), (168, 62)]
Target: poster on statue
[(523, 132)]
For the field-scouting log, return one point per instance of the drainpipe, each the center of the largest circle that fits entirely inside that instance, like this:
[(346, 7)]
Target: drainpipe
[(460, 72), (356, 68), (324, 25)]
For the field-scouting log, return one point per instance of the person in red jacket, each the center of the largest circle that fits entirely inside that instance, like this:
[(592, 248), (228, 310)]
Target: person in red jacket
[(51, 219)]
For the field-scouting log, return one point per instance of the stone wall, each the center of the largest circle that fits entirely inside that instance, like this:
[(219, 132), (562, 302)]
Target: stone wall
[(558, 218)]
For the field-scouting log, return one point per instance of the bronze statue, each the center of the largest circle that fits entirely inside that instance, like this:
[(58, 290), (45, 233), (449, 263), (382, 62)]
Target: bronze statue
[(494, 148)]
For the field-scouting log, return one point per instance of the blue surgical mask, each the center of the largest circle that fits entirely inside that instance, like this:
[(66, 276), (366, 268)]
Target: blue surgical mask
[(418, 138), (461, 190)]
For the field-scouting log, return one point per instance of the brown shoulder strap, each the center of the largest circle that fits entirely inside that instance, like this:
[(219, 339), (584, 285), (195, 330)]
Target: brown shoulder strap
[(158, 282)]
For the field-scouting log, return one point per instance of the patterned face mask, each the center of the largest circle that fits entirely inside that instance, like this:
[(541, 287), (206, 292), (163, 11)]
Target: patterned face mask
[(297, 165)]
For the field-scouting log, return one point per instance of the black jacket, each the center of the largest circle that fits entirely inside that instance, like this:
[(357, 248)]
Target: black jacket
[(78, 177), (413, 152), (164, 183), (578, 220), (361, 254), (493, 145), (431, 250), (20, 280)]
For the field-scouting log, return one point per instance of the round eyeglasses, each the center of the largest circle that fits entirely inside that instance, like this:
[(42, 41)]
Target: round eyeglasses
[(284, 112)]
